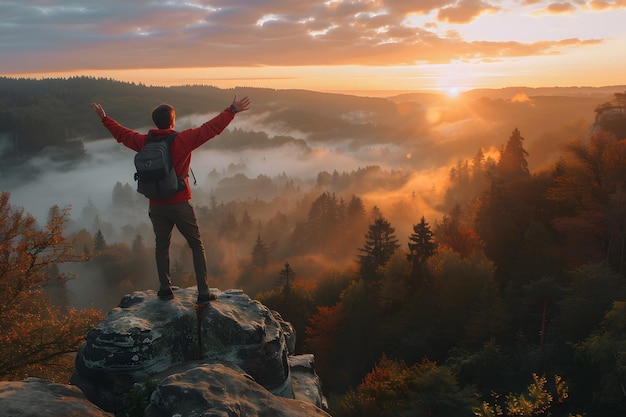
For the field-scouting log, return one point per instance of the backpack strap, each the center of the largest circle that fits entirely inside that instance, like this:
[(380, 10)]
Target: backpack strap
[(169, 139)]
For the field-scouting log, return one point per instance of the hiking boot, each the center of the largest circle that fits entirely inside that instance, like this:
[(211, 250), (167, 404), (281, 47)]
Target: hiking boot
[(165, 294), (205, 298)]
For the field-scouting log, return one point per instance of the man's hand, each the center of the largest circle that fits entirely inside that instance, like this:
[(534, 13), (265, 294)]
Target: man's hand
[(241, 105), (99, 110)]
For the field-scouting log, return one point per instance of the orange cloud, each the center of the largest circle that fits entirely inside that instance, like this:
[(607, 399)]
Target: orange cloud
[(522, 98), (242, 34), (601, 5), (559, 8), (465, 11)]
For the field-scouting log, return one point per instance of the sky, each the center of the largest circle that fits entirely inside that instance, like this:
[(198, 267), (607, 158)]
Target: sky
[(333, 45)]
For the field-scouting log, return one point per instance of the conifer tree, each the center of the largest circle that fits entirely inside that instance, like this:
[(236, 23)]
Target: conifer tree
[(355, 209), (138, 245), (260, 253), (421, 247), (285, 278), (245, 226), (513, 157), (99, 244), (380, 244)]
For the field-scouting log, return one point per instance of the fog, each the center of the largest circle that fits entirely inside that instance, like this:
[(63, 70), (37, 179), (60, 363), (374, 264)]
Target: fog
[(410, 183)]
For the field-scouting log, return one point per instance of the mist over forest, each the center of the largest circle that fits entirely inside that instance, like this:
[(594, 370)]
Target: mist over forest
[(437, 255), (270, 164)]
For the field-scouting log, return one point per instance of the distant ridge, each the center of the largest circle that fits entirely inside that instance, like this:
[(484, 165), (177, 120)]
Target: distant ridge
[(599, 93), (509, 92)]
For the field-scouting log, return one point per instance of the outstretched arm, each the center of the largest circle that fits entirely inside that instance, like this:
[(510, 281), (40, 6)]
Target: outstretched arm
[(194, 138), (99, 110), (240, 105), (128, 137)]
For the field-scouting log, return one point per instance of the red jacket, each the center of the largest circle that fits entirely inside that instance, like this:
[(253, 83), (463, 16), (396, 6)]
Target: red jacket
[(181, 148)]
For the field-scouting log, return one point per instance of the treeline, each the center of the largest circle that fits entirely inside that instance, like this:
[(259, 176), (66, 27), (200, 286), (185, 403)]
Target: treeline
[(518, 292), (35, 114)]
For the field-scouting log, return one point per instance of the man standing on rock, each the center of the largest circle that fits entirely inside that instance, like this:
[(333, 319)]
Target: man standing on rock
[(177, 210)]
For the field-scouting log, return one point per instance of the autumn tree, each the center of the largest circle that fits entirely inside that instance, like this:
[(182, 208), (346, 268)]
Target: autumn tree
[(452, 233), (590, 187), (36, 335), (393, 388), (537, 402), (322, 337)]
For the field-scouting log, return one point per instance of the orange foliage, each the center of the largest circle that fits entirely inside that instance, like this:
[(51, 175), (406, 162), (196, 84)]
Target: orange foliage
[(386, 388), (461, 241), (321, 335), (34, 335)]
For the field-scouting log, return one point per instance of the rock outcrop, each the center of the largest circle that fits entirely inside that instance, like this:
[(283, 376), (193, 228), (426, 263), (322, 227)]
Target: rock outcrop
[(226, 358), (217, 390), (37, 397)]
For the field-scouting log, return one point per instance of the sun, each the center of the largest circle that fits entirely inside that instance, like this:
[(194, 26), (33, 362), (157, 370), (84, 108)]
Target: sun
[(453, 92)]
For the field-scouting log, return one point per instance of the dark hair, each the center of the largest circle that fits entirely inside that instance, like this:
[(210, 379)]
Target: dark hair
[(164, 116)]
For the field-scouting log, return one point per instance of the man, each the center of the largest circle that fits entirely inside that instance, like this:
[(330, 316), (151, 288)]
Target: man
[(177, 210)]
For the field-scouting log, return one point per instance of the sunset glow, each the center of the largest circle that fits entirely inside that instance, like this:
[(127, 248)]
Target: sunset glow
[(339, 45)]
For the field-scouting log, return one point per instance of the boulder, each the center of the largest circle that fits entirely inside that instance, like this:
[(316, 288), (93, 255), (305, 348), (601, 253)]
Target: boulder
[(220, 391), (148, 339), (35, 397), (307, 385)]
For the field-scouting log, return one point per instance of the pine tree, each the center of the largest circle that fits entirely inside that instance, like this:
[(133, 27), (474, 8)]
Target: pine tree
[(380, 244), (138, 245), (513, 157), (323, 218), (99, 243), (260, 253), (355, 210), (285, 278), (245, 226), (421, 247)]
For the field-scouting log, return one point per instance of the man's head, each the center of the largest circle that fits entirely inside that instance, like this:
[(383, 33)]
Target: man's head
[(164, 116)]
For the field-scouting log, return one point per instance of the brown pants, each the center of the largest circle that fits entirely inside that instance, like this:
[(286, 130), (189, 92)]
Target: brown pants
[(182, 215)]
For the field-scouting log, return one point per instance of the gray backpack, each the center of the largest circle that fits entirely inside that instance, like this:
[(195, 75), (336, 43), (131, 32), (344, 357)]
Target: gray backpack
[(155, 176)]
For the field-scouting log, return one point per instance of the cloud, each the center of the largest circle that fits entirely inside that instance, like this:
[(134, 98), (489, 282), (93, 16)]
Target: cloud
[(560, 7), (39, 36), (601, 5), (465, 11), (522, 98)]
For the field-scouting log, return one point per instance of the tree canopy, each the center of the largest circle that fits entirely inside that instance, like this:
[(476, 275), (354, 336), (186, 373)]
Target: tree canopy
[(36, 334)]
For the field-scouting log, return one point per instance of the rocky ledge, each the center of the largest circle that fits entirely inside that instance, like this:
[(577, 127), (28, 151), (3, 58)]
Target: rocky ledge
[(230, 357)]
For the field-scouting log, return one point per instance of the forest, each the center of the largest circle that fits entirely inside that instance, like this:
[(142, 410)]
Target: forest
[(495, 287)]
